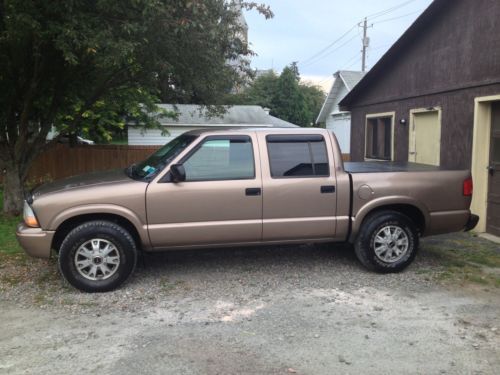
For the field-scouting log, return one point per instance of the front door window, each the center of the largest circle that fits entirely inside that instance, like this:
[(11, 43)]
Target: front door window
[(219, 158)]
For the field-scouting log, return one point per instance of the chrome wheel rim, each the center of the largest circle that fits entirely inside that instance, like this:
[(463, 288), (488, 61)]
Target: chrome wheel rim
[(391, 243), (97, 259)]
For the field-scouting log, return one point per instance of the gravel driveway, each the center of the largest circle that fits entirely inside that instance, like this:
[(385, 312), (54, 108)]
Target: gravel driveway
[(301, 309)]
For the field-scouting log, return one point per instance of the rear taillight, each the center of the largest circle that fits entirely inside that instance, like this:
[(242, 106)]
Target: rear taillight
[(468, 187)]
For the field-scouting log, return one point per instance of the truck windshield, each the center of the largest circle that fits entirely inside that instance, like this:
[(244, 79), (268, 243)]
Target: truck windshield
[(150, 167)]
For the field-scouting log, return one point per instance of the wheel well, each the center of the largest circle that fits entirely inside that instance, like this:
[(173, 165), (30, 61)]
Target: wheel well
[(71, 223), (406, 209)]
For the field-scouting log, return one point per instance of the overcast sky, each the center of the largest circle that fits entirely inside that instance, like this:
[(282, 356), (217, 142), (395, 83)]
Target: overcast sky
[(302, 29)]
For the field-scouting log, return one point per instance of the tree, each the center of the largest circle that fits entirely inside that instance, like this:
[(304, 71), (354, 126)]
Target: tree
[(314, 97), (288, 102), (285, 95), (85, 65)]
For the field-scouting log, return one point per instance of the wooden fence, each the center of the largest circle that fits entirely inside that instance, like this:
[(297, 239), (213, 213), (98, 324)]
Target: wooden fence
[(63, 161)]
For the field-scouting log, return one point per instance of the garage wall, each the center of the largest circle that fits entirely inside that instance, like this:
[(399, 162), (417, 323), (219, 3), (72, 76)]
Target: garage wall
[(340, 124)]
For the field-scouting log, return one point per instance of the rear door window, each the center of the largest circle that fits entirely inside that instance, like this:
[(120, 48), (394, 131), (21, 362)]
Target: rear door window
[(297, 156)]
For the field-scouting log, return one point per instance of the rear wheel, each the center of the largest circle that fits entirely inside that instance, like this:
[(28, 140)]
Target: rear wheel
[(97, 256), (387, 242)]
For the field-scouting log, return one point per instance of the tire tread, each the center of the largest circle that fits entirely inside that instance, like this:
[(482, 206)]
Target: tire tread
[(73, 235)]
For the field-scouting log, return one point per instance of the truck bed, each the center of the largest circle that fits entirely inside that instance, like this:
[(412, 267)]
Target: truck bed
[(388, 166)]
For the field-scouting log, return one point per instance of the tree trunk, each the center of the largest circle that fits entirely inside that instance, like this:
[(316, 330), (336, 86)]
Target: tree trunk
[(12, 190)]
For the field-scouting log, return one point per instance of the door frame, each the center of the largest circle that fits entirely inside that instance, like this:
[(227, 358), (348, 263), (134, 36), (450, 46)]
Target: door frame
[(481, 141), (411, 134)]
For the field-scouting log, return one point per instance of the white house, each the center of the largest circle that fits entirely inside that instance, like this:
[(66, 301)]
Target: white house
[(330, 114), (192, 116)]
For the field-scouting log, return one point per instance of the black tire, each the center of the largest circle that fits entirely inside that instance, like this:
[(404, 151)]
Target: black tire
[(125, 250), (365, 242)]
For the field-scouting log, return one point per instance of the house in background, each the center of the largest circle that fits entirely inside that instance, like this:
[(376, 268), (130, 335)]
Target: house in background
[(195, 117), (434, 98), (330, 114)]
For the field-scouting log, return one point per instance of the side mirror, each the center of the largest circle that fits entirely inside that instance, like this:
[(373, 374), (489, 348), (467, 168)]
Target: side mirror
[(178, 173)]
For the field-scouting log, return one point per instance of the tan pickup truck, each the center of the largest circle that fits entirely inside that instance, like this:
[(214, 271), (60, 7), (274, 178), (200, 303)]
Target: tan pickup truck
[(213, 188)]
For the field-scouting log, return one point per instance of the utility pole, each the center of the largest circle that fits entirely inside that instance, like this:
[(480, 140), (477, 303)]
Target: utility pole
[(366, 43)]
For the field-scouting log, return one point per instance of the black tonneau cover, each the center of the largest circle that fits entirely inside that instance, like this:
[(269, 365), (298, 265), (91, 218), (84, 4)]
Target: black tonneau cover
[(388, 166)]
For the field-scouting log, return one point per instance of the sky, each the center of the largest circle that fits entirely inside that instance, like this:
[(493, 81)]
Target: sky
[(324, 36)]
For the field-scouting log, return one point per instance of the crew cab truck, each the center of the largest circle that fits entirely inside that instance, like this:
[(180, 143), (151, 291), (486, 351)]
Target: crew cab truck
[(234, 187)]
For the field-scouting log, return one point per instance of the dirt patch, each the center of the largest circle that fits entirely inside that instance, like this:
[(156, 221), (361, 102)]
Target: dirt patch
[(301, 309)]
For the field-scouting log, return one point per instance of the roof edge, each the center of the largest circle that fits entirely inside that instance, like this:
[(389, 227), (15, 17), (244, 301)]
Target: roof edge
[(427, 15), (324, 106)]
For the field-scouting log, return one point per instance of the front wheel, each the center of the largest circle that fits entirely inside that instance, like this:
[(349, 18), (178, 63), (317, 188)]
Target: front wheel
[(387, 242), (97, 256)]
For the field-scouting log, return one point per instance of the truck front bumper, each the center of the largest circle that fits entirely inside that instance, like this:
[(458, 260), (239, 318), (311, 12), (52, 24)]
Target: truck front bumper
[(36, 242), (471, 223)]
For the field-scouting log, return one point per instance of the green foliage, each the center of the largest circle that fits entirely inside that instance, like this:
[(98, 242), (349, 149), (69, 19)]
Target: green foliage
[(314, 97), (86, 66), (284, 95), (288, 102)]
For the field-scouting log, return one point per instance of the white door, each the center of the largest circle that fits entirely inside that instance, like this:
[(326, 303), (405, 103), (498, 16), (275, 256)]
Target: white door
[(425, 137)]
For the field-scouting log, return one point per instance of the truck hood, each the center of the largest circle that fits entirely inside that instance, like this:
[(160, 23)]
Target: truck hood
[(82, 181)]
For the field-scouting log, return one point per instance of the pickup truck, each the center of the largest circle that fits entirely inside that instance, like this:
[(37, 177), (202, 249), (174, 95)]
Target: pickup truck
[(234, 187)]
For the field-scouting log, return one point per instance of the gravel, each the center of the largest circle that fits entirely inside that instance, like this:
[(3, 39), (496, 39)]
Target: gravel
[(286, 309)]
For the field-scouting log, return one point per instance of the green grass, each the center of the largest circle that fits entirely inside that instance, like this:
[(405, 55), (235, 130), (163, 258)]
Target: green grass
[(467, 259), (8, 242)]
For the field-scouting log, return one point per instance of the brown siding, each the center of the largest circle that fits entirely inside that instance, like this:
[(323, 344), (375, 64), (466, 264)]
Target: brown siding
[(456, 127), (450, 59), (459, 47)]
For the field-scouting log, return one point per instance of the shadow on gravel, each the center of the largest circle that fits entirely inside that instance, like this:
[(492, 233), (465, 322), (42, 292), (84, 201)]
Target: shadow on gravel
[(308, 255)]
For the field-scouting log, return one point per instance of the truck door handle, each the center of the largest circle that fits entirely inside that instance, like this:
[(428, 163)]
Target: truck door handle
[(253, 191), (325, 189)]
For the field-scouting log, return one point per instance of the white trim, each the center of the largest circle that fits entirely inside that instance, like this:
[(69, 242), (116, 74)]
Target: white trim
[(328, 100), (345, 83), (481, 141)]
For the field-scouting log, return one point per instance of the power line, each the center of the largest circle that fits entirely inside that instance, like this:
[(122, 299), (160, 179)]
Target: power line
[(354, 63), (328, 46), (355, 58), (389, 10), (325, 52), (397, 18), (381, 46), (325, 80), (329, 53)]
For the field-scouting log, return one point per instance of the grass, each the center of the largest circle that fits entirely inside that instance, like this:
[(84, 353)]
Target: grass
[(466, 259), (8, 242)]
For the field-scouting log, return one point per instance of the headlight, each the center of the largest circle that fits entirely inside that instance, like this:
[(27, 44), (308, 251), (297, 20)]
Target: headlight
[(29, 216)]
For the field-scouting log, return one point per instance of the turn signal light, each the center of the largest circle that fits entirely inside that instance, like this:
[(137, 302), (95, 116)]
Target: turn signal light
[(468, 187), (29, 216)]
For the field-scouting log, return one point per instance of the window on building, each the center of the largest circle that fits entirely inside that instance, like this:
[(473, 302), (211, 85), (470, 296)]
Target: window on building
[(379, 138), (297, 156)]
